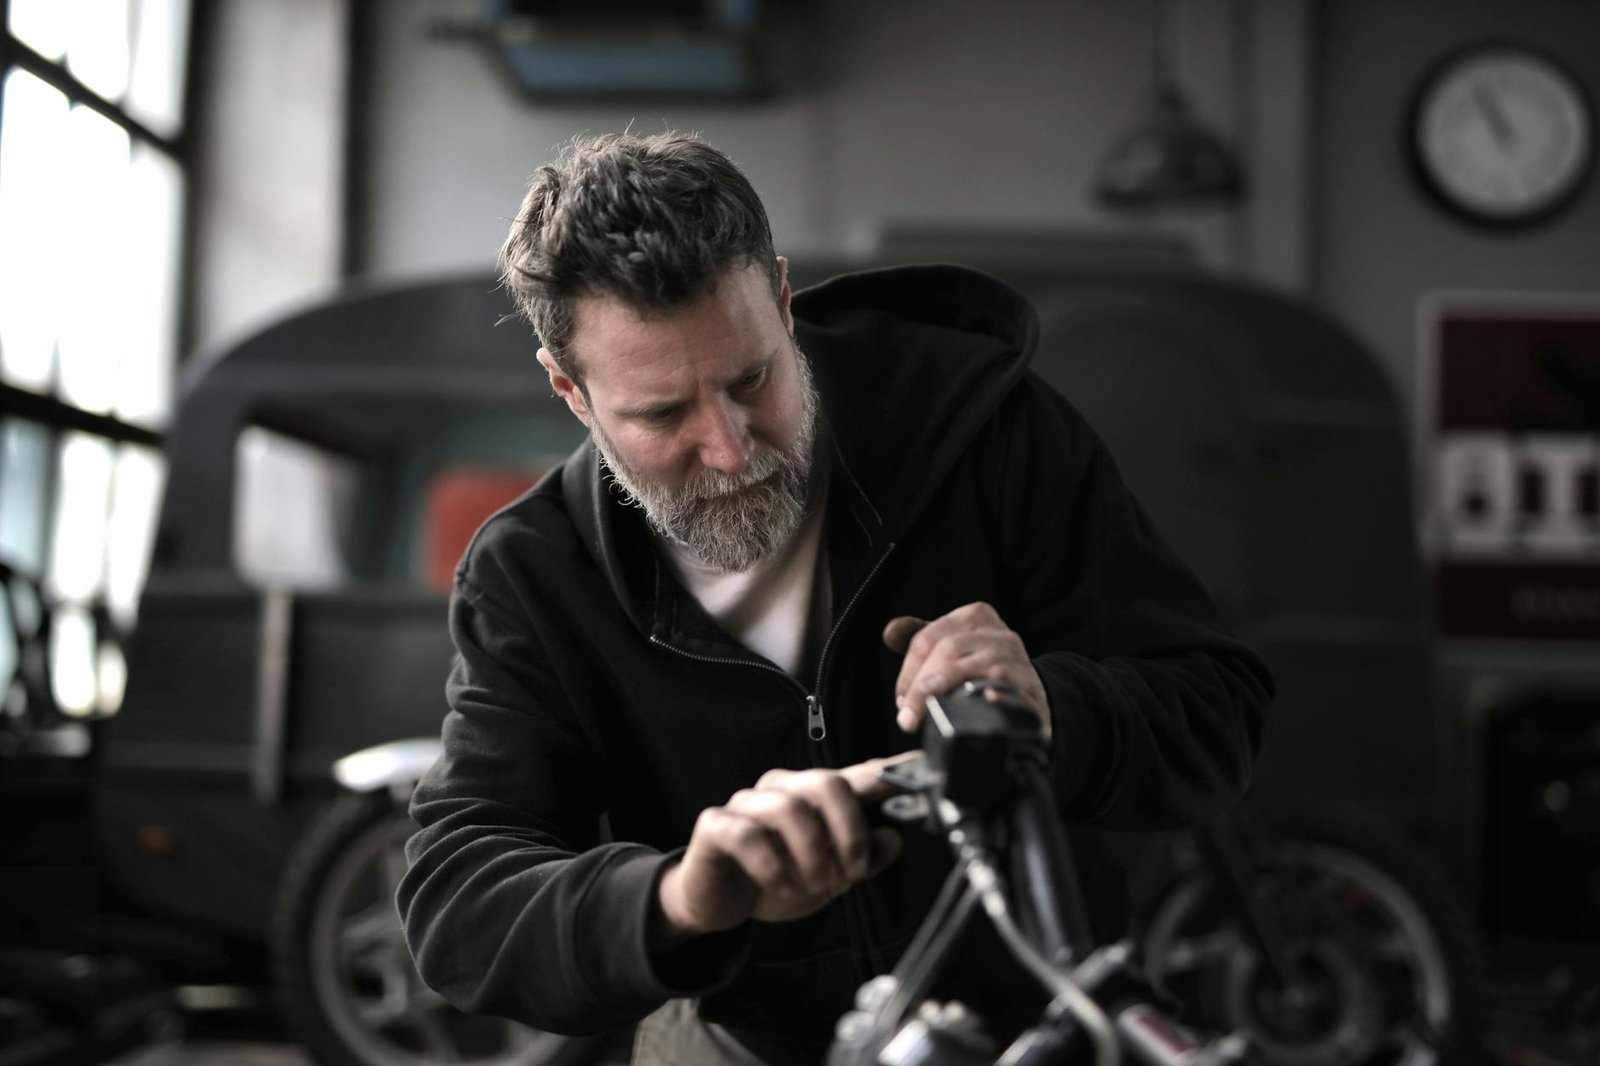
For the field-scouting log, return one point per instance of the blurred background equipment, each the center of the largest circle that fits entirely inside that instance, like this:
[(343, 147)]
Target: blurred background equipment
[(627, 49)]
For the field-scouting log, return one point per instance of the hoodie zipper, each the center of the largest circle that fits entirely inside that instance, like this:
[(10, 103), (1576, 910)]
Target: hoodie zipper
[(816, 720), (817, 729)]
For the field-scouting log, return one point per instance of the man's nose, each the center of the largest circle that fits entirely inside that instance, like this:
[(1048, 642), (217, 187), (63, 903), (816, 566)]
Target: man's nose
[(725, 442)]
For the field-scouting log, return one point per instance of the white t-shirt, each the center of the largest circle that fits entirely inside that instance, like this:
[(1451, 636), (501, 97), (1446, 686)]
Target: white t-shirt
[(781, 607)]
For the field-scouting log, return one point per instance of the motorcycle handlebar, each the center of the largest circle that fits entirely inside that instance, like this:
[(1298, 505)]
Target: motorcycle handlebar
[(983, 774)]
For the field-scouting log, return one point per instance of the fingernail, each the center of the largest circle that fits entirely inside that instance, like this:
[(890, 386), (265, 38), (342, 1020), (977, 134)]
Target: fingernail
[(906, 719)]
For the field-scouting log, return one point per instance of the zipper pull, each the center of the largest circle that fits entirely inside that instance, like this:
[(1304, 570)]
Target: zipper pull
[(815, 726)]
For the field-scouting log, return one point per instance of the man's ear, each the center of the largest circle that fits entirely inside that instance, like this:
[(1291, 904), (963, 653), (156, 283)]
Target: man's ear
[(784, 294), (565, 387)]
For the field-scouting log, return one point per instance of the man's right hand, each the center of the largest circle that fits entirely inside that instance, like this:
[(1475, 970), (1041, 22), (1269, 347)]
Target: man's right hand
[(776, 852)]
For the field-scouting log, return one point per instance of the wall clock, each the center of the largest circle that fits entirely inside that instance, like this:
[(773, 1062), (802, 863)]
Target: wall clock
[(1502, 135)]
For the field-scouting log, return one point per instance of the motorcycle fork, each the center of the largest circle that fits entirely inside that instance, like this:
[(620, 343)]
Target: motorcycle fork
[(1222, 849)]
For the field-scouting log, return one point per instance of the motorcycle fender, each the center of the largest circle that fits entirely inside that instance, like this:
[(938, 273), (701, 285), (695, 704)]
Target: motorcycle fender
[(397, 766)]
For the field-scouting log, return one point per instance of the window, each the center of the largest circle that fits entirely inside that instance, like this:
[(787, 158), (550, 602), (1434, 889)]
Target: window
[(92, 188)]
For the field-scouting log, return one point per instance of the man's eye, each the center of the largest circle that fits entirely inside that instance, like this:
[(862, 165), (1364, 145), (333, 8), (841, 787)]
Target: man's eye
[(751, 381)]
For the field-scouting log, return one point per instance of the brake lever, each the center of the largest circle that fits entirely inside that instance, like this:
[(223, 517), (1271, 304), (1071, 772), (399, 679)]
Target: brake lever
[(915, 779)]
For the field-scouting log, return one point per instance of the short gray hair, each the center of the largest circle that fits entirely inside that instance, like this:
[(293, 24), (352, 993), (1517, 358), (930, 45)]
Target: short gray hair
[(655, 220)]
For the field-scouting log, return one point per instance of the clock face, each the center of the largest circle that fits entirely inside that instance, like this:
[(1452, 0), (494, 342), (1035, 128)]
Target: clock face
[(1503, 135)]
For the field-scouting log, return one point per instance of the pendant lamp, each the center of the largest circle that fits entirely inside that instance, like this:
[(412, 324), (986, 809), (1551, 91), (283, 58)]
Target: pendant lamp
[(1170, 156)]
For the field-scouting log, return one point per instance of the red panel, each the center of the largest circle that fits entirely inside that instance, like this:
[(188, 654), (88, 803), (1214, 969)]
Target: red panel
[(459, 501)]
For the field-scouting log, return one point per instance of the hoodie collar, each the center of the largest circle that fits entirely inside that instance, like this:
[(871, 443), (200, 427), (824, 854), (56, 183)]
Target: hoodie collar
[(910, 362)]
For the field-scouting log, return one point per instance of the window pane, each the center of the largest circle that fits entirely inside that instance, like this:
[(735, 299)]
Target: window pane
[(111, 677), (72, 659), (98, 221), (78, 548), (42, 25), (24, 477), (8, 652), (293, 506), (33, 242), (160, 46), (97, 46), (146, 339), (135, 495), (23, 609)]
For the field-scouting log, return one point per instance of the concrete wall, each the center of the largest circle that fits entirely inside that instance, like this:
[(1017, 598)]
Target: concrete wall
[(1378, 243), (902, 110), (270, 132)]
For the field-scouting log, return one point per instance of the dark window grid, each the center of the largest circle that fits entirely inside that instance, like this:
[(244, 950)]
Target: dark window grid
[(57, 416), (60, 417), (43, 711), (14, 53)]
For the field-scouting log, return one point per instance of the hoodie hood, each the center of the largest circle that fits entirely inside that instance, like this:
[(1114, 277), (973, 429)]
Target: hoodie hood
[(909, 363)]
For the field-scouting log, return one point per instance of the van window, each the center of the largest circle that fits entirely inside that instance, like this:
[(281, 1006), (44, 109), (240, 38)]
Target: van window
[(294, 511), (330, 495)]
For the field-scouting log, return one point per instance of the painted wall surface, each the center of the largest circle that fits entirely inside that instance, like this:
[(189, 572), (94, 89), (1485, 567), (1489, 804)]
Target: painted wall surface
[(1379, 243), (936, 110), (270, 162)]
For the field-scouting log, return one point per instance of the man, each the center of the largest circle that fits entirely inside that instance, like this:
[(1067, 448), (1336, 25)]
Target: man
[(797, 515)]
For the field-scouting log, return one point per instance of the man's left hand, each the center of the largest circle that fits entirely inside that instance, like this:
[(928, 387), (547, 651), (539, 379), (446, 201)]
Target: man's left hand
[(970, 643)]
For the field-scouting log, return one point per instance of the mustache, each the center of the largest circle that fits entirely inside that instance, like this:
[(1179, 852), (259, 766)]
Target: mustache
[(713, 484)]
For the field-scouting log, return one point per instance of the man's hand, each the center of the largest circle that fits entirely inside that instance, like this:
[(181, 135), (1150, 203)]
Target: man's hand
[(968, 644), (776, 852)]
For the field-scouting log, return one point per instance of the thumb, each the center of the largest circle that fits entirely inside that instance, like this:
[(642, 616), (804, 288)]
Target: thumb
[(898, 633)]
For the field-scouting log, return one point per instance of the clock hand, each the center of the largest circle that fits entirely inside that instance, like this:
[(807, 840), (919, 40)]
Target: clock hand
[(1505, 135)]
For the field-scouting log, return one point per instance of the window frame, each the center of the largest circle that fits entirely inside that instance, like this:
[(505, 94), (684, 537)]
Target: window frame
[(56, 416)]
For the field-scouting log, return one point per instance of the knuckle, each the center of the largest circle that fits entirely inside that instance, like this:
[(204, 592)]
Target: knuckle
[(786, 805), (747, 835), (763, 864), (814, 784), (833, 784)]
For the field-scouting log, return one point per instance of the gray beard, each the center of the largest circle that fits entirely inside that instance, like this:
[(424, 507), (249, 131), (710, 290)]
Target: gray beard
[(730, 522)]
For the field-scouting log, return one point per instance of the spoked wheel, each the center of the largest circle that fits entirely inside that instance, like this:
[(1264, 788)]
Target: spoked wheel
[(1382, 971), (349, 987)]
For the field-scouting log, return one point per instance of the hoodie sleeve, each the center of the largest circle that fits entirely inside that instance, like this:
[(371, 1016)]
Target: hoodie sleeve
[(1158, 712), (510, 904)]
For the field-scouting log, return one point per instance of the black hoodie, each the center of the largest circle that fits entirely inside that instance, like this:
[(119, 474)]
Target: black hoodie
[(589, 681)]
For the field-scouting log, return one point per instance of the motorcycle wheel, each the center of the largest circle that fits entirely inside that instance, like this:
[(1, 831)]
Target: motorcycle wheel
[(348, 986), (1388, 973)]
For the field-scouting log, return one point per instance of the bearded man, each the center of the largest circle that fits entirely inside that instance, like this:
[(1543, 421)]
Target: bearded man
[(797, 515)]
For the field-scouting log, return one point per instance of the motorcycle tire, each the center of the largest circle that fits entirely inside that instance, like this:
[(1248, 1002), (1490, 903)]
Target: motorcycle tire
[(1387, 970), (344, 975)]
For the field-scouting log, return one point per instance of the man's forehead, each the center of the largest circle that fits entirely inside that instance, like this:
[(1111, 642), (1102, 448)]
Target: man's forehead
[(615, 338)]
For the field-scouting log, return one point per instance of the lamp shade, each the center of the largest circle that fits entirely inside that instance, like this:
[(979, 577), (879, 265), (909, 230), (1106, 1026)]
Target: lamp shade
[(1169, 158)]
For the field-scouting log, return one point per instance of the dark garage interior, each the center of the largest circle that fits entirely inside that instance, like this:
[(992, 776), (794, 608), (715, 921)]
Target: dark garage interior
[(1323, 276)]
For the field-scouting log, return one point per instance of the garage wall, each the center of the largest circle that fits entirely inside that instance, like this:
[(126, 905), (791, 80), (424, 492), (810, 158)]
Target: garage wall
[(1379, 244), (902, 110), (270, 121)]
